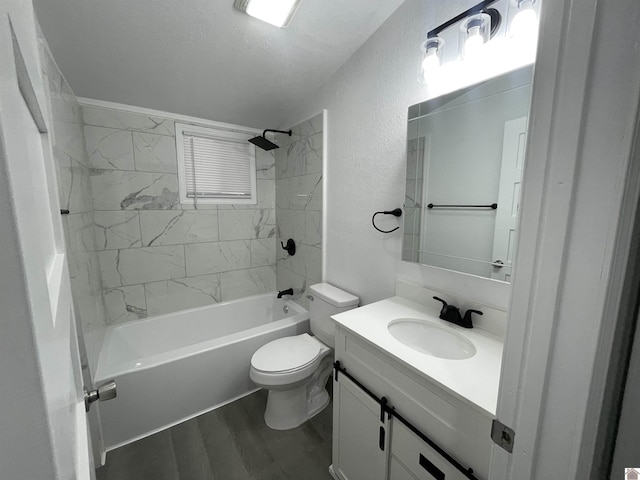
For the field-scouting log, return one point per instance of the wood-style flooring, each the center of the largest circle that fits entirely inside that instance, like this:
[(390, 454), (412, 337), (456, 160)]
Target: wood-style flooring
[(230, 443)]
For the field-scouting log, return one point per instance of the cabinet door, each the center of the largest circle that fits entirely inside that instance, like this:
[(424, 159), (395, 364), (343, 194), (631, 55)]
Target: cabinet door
[(360, 439)]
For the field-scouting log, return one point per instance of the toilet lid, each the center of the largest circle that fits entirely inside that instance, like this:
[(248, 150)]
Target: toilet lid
[(286, 354)]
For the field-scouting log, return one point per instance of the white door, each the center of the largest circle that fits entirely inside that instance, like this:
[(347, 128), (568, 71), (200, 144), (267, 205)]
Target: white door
[(360, 439), (504, 238), (43, 426)]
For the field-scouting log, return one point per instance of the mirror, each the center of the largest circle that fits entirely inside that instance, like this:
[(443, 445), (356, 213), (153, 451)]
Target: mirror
[(465, 154)]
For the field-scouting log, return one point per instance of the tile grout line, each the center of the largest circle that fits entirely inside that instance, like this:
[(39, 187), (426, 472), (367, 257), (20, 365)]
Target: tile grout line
[(140, 227)]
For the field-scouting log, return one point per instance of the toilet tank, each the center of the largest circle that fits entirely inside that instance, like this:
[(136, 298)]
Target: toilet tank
[(327, 300)]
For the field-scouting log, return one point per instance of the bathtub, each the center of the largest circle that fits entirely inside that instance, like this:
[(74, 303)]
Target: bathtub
[(173, 367)]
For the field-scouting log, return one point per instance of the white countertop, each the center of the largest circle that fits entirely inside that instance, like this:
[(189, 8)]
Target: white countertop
[(474, 380)]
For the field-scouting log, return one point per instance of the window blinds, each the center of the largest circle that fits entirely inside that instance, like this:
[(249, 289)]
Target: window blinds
[(217, 167)]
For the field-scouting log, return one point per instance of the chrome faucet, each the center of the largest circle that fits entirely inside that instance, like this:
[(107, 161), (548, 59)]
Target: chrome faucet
[(451, 313), (288, 291)]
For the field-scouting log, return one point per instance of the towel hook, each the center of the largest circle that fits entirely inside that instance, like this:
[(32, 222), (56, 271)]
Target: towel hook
[(290, 247)]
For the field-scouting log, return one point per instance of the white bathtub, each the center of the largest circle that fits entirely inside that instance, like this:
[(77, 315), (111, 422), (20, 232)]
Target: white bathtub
[(173, 367)]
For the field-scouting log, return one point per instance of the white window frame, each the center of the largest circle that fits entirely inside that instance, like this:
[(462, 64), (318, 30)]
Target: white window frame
[(181, 130)]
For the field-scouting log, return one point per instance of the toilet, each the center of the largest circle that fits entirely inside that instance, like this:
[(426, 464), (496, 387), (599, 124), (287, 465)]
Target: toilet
[(295, 369)]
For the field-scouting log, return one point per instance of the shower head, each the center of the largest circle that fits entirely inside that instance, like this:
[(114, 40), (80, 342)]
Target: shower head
[(265, 144)]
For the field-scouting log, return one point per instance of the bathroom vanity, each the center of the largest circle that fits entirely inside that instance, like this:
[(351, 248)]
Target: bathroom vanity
[(401, 410)]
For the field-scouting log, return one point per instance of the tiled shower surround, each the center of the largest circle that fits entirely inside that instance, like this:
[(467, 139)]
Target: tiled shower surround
[(299, 206), (156, 255), (74, 188), (413, 200)]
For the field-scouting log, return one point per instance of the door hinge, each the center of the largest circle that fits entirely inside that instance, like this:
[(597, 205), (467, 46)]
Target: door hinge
[(104, 392), (502, 435)]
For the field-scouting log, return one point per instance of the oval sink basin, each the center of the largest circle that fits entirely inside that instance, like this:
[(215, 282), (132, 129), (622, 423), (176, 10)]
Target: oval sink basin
[(431, 339)]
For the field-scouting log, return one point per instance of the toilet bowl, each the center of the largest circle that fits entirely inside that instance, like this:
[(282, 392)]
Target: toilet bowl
[(295, 369)]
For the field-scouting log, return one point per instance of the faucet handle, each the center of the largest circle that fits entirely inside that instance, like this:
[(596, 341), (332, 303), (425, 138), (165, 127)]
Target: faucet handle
[(444, 304), (467, 317), (449, 312)]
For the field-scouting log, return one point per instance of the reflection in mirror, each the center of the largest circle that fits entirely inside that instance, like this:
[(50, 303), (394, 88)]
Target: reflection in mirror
[(465, 153)]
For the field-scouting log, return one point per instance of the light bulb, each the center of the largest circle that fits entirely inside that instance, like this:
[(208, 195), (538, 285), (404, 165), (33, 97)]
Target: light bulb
[(431, 61), (431, 58), (474, 42), (475, 31), (525, 23)]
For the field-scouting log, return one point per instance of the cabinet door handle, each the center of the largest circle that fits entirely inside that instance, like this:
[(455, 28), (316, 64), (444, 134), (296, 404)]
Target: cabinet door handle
[(381, 439), (431, 468)]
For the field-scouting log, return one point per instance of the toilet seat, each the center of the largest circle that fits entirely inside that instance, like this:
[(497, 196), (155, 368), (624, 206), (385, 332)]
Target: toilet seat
[(286, 354), (287, 360)]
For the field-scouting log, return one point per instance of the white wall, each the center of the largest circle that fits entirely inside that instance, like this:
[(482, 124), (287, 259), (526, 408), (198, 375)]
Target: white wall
[(367, 101)]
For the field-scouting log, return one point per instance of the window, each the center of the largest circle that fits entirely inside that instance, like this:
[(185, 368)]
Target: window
[(215, 166)]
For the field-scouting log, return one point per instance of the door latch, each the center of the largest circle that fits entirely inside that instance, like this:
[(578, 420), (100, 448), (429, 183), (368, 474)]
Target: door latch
[(502, 435), (104, 392)]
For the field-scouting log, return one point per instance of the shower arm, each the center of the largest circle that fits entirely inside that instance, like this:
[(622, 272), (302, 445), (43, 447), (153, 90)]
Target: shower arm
[(288, 132)]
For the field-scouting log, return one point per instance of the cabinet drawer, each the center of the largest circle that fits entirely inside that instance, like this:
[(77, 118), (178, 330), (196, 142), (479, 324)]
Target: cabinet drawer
[(418, 458), (398, 471)]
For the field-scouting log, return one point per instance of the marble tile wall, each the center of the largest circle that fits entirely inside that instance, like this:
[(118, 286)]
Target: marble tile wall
[(413, 200), (73, 169), (156, 255), (299, 207)]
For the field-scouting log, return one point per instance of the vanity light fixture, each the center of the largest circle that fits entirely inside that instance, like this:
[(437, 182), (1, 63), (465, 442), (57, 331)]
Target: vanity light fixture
[(431, 52), (276, 12), (525, 22), (477, 25)]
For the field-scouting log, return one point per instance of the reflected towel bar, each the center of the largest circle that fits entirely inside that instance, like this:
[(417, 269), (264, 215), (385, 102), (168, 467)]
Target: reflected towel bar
[(493, 206)]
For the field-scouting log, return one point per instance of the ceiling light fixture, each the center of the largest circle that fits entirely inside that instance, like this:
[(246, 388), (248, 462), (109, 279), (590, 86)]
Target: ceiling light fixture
[(276, 12)]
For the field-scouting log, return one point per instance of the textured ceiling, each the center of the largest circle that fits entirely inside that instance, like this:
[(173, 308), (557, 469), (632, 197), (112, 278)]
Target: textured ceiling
[(203, 57)]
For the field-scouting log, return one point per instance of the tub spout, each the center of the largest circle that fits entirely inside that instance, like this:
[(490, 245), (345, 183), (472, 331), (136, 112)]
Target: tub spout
[(288, 291)]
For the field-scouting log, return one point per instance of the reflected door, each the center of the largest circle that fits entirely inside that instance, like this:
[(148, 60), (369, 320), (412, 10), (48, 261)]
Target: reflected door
[(504, 238)]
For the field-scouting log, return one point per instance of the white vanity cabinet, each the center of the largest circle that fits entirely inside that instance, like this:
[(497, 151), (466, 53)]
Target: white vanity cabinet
[(459, 429)]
